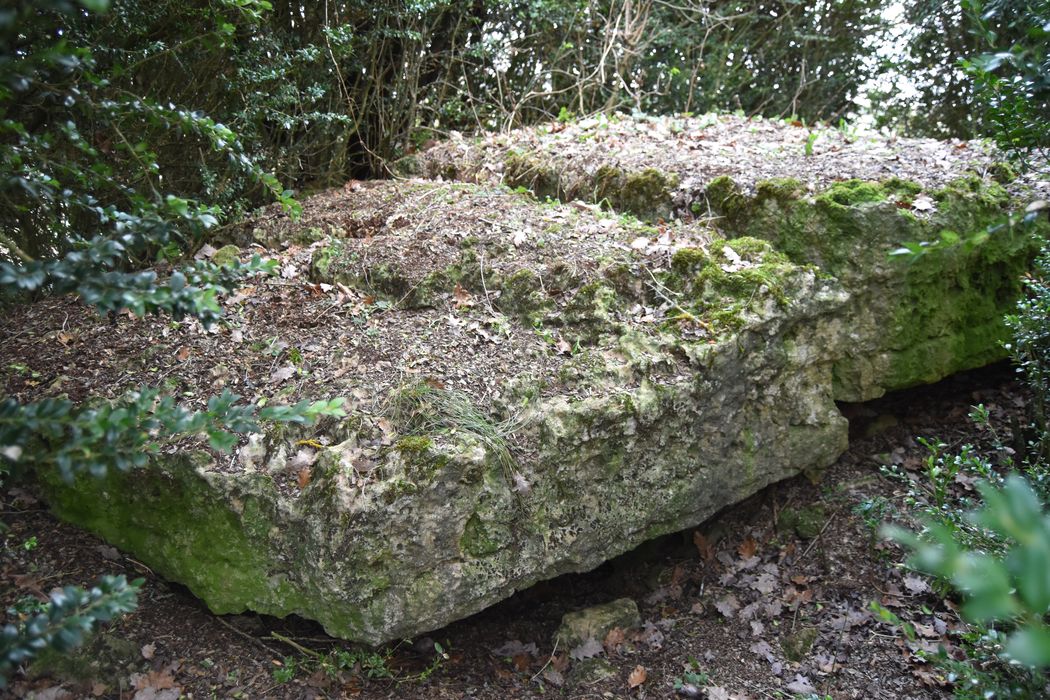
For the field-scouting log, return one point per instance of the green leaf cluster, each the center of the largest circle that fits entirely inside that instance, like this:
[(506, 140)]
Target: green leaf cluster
[(125, 434), (1013, 588), (71, 615)]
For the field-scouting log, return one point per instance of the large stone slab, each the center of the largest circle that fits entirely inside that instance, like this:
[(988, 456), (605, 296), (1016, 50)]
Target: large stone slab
[(533, 388), (835, 198)]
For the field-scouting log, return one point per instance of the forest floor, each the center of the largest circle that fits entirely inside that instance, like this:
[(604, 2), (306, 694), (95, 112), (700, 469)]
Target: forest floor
[(769, 599)]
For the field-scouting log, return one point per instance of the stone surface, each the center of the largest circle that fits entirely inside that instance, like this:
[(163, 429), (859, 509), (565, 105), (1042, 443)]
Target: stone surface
[(534, 388), (596, 622)]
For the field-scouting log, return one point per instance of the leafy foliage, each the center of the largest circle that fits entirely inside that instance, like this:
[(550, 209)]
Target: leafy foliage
[(82, 207), (996, 553), (969, 69), (126, 434), (1030, 348), (1012, 77), (71, 615), (1014, 588)]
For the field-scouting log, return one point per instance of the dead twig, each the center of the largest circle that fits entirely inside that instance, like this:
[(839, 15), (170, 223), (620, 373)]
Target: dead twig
[(549, 660)]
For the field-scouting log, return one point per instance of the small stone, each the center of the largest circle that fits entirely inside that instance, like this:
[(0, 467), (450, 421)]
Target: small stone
[(590, 671), (881, 424), (226, 255), (805, 522), (597, 622), (797, 645)]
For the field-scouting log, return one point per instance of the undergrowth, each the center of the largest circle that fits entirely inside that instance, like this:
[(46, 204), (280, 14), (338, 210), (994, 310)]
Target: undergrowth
[(983, 531)]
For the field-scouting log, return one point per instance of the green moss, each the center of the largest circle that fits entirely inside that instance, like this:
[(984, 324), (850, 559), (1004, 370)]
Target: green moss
[(476, 540), (780, 189), (1002, 172), (104, 657), (227, 255), (727, 199), (522, 295), (851, 193), (713, 282), (321, 263), (592, 304), (608, 181), (797, 645), (414, 444), (647, 194), (398, 488), (622, 279), (805, 522), (755, 250), (170, 518), (687, 261), (902, 189), (530, 170)]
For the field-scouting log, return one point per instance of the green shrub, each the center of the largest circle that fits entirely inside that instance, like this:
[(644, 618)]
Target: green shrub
[(71, 615), (1011, 588)]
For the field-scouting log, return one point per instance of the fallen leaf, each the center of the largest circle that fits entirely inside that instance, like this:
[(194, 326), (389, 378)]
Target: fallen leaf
[(148, 650), (801, 685), (521, 484), (554, 677), (637, 677), (717, 692), (522, 662), (650, 635), (515, 647), (923, 203), (614, 639), (183, 354), (464, 299), (589, 649), (707, 552), (157, 680), (282, 374), (747, 548), (765, 583), (763, 649), (728, 605), (915, 584), (304, 476), (206, 251)]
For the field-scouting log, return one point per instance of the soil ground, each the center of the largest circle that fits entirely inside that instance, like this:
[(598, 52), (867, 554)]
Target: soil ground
[(769, 599)]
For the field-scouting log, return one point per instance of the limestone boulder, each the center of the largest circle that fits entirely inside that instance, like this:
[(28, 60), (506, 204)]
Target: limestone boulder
[(532, 387)]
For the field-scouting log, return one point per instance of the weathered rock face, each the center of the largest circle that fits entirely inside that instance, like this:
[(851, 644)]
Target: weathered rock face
[(535, 388)]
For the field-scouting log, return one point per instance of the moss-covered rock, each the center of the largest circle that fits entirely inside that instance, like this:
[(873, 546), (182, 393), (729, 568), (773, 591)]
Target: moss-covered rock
[(912, 321), (227, 255), (797, 645), (522, 295), (804, 522), (696, 372), (596, 622)]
